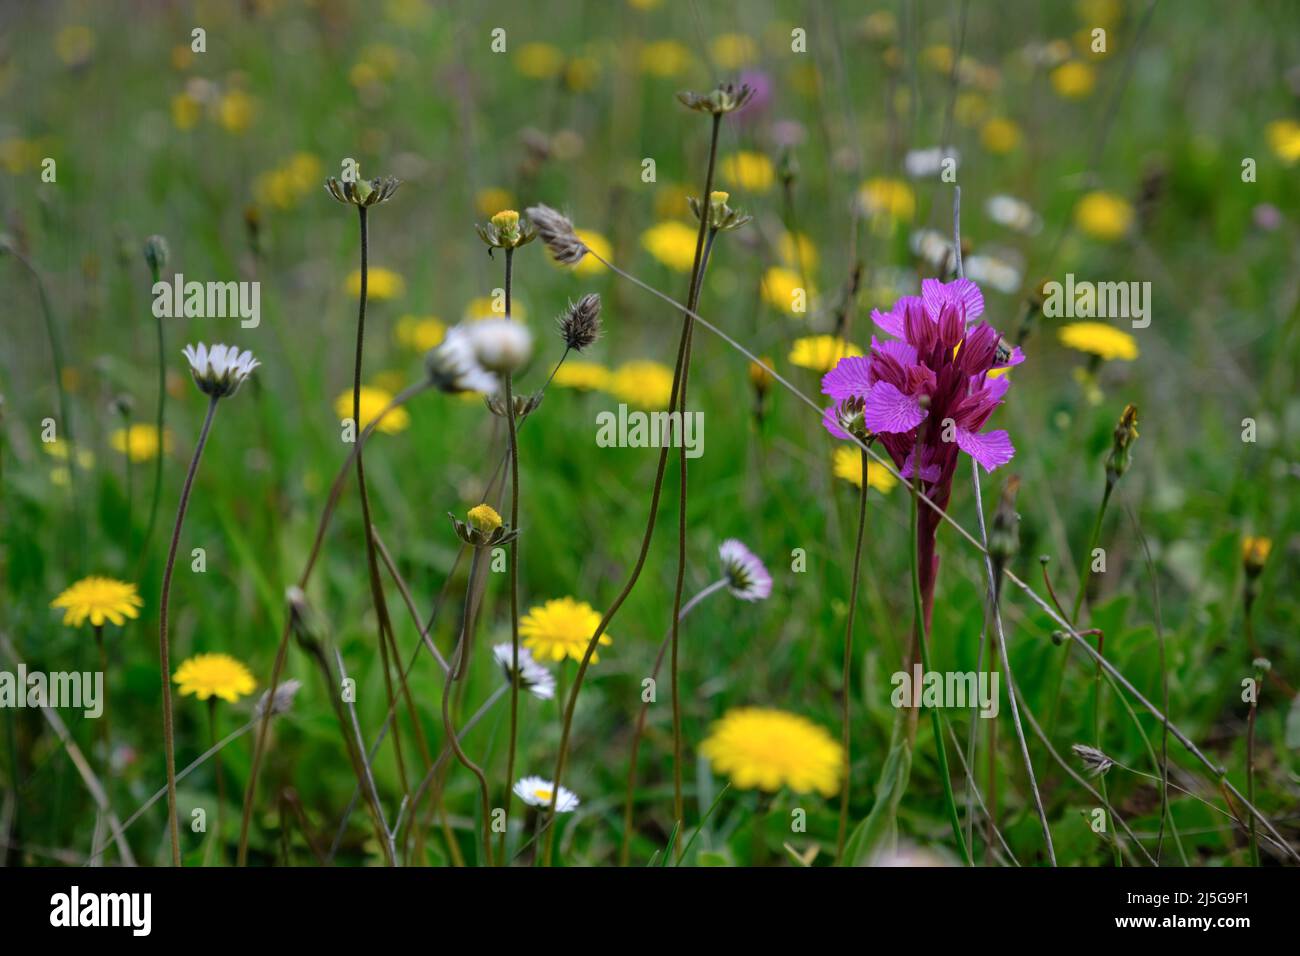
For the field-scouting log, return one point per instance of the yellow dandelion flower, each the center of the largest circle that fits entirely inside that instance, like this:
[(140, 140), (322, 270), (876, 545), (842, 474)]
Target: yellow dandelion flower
[(999, 135), (781, 288), (664, 58), (140, 442), (539, 61), (751, 171), (821, 352), (597, 244), (848, 465), (419, 333), (373, 401), (484, 518), (1073, 80), (1284, 139), (380, 283), (58, 449), (576, 373), (672, 201), (888, 199), (1254, 553), (1097, 338), (235, 111), (732, 51), (74, 44), (672, 243), (758, 747), (794, 249), (99, 599), (1103, 216), (214, 675), (182, 57), (645, 383), (491, 199), (186, 111), (561, 628)]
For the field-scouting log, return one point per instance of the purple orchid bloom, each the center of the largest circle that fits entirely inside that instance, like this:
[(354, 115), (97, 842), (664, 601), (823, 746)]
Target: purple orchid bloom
[(933, 386)]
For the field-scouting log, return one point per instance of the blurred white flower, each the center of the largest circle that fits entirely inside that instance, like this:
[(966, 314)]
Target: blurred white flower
[(1014, 214), (501, 345), (533, 677)]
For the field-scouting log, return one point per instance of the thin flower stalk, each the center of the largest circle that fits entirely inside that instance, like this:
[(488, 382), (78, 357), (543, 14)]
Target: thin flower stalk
[(846, 668)]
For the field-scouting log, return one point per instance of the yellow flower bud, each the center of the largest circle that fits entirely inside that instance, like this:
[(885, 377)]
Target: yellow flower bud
[(484, 518), (719, 198), (1254, 553)]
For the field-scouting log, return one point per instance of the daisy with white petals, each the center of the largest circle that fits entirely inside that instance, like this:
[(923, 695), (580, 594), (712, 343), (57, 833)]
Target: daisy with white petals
[(747, 577), (220, 370), (537, 792), (533, 677)]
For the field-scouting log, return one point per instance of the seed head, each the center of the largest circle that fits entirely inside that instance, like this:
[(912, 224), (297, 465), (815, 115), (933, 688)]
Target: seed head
[(361, 192), (725, 98), (1094, 761), (580, 323), (557, 232)]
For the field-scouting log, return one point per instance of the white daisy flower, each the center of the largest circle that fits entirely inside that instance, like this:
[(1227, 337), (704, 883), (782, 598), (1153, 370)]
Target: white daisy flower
[(747, 578), (501, 345), (933, 248), (533, 677), (454, 365), (219, 370), (537, 792), (1013, 213), (996, 269), (925, 163)]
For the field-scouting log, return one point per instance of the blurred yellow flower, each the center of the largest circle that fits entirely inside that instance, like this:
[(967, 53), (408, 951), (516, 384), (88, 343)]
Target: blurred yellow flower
[(757, 747), (751, 171), (938, 58), (1284, 139), (1103, 216), (581, 374), (1073, 80), (1097, 338), (597, 244), (642, 382), (644, 4), (381, 283), (581, 73), (664, 58), (235, 111), (419, 333), (792, 249), (285, 185), (186, 111), (492, 307), (999, 135), (491, 199), (58, 449), (821, 352), (781, 286), (17, 156), (140, 442), (731, 51), (539, 61), (561, 628), (182, 57), (1254, 553), (889, 199), (373, 401), (74, 44), (848, 465), (214, 675), (100, 599), (672, 243)]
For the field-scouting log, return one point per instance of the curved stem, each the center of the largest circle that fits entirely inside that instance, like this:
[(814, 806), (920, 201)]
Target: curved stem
[(169, 743), (846, 670), (625, 848)]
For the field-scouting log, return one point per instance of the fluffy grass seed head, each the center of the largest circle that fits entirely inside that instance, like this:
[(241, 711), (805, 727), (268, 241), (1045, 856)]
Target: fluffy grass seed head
[(214, 675), (537, 792), (533, 677), (1093, 760), (758, 747), (557, 232), (560, 628), (99, 599), (373, 402), (219, 370), (580, 323), (1097, 338)]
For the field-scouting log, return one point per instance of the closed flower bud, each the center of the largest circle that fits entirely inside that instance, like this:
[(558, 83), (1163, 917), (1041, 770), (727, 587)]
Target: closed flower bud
[(1254, 554), (156, 254), (725, 98), (1126, 434), (361, 192)]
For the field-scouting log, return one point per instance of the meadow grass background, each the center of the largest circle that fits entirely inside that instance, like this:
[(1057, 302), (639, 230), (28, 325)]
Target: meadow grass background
[(413, 89)]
